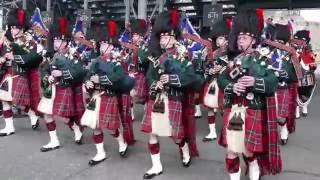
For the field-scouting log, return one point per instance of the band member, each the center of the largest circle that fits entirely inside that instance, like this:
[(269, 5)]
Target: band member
[(282, 64), (168, 75), (21, 77), (59, 77), (106, 82), (139, 61), (308, 83), (213, 98), (249, 119)]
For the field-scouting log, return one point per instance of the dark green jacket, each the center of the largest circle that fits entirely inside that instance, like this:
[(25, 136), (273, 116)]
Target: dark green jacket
[(25, 59), (266, 82)]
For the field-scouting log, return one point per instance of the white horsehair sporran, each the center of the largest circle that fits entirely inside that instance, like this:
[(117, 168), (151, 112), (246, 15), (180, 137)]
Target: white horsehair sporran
[(211, 97), (46, 104), (90, 117), (160, 122), (236, 129), (6, 88)]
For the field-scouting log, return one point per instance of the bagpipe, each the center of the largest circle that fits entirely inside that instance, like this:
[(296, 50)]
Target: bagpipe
[(49, 89), (238, 71), (291, 51)]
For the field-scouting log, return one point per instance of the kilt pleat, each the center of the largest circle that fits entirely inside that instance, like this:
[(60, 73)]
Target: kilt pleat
[(189, 123), (283, 99), (20, 91), (175, 117), (63, 104), (293, 93), (125, 102), (34, 81), (141, 88), (78, 101), (109, 114)]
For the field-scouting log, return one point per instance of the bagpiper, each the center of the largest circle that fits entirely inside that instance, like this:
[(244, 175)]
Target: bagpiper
[(213, 96), (307, 84), (139, 62), (169, 74), (281, 61), (249, 118), (106, 82), (59, 76), (21, 81)]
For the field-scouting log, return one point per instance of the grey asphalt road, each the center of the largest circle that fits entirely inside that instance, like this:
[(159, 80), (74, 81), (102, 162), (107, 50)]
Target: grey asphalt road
[(21, 159)]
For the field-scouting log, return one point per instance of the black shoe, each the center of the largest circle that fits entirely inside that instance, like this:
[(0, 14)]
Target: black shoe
[(150, 176), (304, 114), (124, 153), (186, 164), (34, 127), (44, 149), (6, 134), (93, 162), (205, 139), (284, 142), (79, 142), (197, 117)]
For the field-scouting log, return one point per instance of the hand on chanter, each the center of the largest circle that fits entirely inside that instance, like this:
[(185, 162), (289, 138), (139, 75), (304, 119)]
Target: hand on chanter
[(89, 84), (247, 81), (164, 78), (159, 85), (51, 79), (56, 73), (239, 88), (9, 55), (94, 78)]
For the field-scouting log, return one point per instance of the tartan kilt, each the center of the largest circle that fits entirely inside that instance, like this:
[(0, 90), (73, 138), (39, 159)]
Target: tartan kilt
[(283, 99), (20, 91), (175, 117), (204, 89), (189, 123), (293, 94), (141, 88), (109, 114), (78, 101), (256, 132), (125, 102), (63, 104), (34, 80)]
